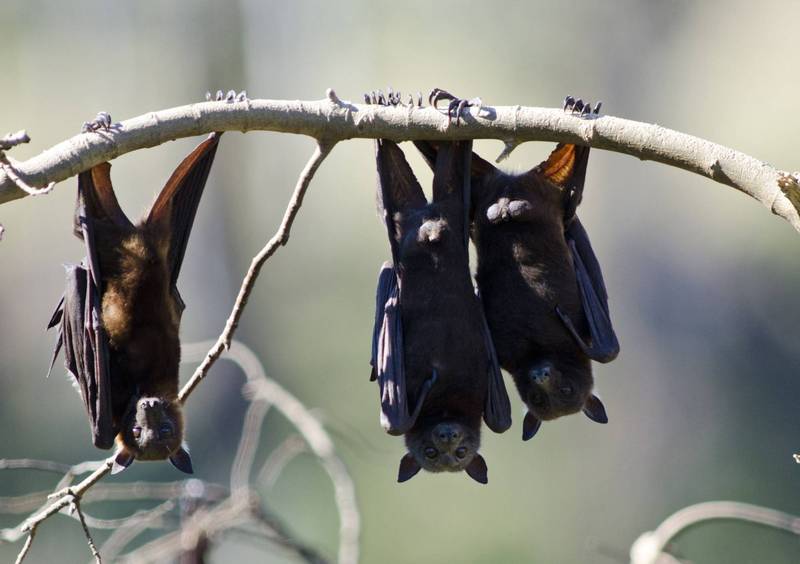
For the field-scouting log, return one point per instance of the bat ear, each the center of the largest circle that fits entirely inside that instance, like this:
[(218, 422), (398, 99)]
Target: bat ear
[(530, 426), (182, 461), (477, 469), (123, 459), (408, 468), (594, 410)]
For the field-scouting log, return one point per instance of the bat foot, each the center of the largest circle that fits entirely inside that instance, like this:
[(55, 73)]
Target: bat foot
[(229, 97), (456, 107), (581, 108), (391, 98), (101, 121)]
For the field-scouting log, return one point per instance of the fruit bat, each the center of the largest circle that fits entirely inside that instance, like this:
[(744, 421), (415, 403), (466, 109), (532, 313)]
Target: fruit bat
[(120, 313), (540, 281), (432, 354)]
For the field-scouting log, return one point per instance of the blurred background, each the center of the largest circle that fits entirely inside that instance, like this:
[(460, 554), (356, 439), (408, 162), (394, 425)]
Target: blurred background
[(703, 399)]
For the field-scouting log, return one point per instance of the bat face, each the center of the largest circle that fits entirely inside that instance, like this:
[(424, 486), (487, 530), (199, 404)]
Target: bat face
[(553, 389), (153, 430), (448, 446), (443, 447)]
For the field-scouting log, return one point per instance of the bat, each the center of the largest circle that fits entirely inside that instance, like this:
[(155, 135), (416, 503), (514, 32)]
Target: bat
[(432, 354), (120, 313), (540, 282)]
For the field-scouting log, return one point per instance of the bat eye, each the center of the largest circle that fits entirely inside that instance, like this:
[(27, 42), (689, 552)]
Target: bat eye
[(431, 453), (137, 432), (165, 430), (461, 452), (566, 391)]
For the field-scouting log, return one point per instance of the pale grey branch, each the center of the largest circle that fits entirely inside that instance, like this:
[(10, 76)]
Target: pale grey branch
[(332, 119)]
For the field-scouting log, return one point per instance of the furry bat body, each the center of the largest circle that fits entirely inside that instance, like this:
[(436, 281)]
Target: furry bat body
[(541, 284), (432, 354), (120, 313)]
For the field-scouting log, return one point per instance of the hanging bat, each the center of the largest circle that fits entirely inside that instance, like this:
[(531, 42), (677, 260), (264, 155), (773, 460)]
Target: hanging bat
[(539, 279), (120, 313), (432, 353)]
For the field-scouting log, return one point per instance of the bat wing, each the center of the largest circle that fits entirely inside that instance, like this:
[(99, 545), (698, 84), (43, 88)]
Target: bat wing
[(497, 408), (86, 352), (387, 358), (604, 345), (566, 167), (176, 206), (81, 334)]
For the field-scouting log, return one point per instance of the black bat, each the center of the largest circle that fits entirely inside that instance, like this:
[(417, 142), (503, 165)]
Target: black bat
[(432, 353), (120, 313), (540, 281)]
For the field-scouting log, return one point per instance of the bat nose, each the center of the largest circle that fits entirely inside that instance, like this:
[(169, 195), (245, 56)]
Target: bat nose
[(541, 374), (448, 434)]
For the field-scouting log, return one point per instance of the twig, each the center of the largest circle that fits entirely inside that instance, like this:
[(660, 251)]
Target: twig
[(76, 507), (245, 454), (8, 168), (10, 140), (63, 499), (650, 546), (278, 459), (280, 238), (334, 120), (134, 526)]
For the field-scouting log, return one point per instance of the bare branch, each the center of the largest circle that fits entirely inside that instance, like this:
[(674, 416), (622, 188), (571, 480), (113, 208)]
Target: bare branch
[(76, 507), (650, 546), (278, 459), (312, 431), (280, 238), (332, 119)]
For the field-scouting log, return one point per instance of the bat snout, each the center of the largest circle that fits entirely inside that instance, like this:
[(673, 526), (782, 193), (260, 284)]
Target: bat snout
[(447, 434), (541, 374)]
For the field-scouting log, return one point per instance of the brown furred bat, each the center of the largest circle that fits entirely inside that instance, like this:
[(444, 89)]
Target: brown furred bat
[(539, 280), (120, 313), (432, 355)]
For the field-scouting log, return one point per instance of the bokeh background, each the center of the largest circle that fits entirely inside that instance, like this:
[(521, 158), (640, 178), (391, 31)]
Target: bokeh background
[(703, 400)]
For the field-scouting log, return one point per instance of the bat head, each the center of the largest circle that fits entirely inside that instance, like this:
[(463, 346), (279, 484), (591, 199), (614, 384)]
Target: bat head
[(553, 389), (153, 430), (443, 447)]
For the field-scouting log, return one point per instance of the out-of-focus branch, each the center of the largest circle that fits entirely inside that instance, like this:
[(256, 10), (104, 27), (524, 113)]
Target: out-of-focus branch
[(332, 119), (650, 547), (259, 386)]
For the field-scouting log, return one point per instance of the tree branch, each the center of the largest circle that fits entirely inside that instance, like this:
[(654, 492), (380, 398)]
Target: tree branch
[(649, 547), (332, 120)]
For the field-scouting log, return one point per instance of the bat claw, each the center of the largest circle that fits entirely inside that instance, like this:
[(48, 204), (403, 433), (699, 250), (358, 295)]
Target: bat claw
[(581, 108), (456, 107), (101, 121), (228, 97), (391, 98)]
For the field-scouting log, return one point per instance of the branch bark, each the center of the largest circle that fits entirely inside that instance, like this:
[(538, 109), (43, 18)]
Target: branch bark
[(330, 120)]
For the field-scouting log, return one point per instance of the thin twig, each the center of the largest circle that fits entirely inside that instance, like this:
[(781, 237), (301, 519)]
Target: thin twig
[(280, 238), (650, 546), (76, 506), (8, 168)]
